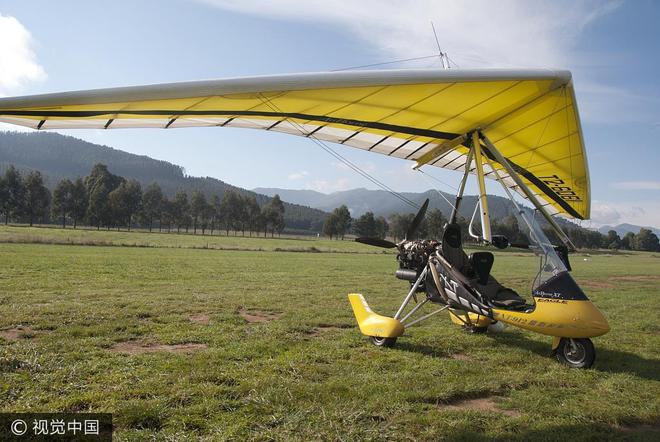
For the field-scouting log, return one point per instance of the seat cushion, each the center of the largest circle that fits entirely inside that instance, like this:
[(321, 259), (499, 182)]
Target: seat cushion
[(497, 294)]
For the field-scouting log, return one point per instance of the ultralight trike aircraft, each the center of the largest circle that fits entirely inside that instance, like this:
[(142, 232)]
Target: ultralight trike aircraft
[(519, 128)]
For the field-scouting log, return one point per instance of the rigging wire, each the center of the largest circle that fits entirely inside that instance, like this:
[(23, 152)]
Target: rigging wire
[(436, 179), (385, 62), (445, 60), (338, 156), (426, 177)]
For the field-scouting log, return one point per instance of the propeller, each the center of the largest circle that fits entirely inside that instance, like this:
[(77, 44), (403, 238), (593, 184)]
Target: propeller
[(376, 242), (417, 220)]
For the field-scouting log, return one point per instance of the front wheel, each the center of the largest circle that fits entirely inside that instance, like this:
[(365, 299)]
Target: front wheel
[(383, 342), (576, 352)]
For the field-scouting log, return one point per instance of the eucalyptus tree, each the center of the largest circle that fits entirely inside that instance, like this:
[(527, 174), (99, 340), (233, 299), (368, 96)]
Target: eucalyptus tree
[(197, 208), (79, 201), (37, 197), (12, 194), (152, 204), (62, 200), (125, 202)]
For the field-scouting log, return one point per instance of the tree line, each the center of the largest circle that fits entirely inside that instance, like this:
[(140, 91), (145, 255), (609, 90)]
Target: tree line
[(339, 223), (103, 199)]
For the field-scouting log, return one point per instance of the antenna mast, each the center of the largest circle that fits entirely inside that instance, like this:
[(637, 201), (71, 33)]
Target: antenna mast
[(444, 58)]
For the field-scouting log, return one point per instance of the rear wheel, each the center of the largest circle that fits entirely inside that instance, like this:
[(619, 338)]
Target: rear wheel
[(576, 352), (383, 342)]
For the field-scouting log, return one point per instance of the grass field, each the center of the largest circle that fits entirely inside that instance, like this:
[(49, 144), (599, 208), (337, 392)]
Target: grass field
[(190, 337)]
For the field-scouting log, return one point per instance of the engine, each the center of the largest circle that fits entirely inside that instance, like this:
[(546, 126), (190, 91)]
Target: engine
[(413, 256)]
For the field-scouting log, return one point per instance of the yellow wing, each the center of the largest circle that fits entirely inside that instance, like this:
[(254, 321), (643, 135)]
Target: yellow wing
[(531, 116)]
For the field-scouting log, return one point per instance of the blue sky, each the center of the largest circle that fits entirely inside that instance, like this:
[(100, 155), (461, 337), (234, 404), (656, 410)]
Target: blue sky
[(613, 49)]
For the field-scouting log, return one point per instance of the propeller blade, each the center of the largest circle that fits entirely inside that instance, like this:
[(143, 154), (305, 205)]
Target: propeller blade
[(376, 242), (418, 220)]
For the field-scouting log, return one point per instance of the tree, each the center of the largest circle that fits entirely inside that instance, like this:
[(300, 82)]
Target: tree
[(366, 225), (647, 241), (230, 211), (381, 227), (12, 194), (253, 214), (273, 216), (167, 213), (62, 200), (628, 241), (37, 197), (79, 201), (278, 214), (612, 240), (208, 212), (241, 214), (125, 201), (197, 208), (181, 207), (152, 203), (343, 220), (217, 215), (330, 225), (436, 223), (99, 184), (399, 225), (4, 196)]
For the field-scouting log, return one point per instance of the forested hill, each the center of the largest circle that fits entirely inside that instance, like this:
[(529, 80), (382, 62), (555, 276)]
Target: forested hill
[(58, 156), (380, 202)]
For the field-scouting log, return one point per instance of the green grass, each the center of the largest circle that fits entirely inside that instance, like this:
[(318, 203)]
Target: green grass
[(218, 241), (308, 375)]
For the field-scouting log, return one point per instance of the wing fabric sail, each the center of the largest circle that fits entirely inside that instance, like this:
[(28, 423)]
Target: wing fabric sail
[(531, 116)]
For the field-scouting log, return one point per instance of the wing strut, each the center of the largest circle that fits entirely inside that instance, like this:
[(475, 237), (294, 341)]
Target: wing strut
[(483, 200)]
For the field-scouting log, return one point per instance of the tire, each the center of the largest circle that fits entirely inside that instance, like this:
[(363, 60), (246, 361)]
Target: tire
[(383, 342), (576, 352)]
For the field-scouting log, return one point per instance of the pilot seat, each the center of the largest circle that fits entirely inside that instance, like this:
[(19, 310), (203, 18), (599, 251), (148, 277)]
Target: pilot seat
[(476, 269)]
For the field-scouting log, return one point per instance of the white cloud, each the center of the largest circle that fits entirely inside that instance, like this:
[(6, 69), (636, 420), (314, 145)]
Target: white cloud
[(298, 175), (637, 185), (18, 62), (642, 213), (477, 34)]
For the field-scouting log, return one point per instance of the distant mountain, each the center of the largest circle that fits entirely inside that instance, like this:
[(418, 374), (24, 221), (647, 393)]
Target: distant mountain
[(380, 202), (57, 156), (622, 229)]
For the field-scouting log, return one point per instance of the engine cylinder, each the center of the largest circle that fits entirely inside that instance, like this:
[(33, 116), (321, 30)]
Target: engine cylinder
[(406, 275)]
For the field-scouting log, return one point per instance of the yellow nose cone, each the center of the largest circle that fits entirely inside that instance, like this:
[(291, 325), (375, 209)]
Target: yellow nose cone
[(597, 321), (373, 324)]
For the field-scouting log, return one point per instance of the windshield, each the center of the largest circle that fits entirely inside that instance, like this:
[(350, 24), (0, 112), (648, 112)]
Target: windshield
[(549, 262)]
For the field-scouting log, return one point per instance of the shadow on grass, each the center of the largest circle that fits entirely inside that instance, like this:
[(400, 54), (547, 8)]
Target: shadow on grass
[(424, 349), (607, 359), (576, 432)]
